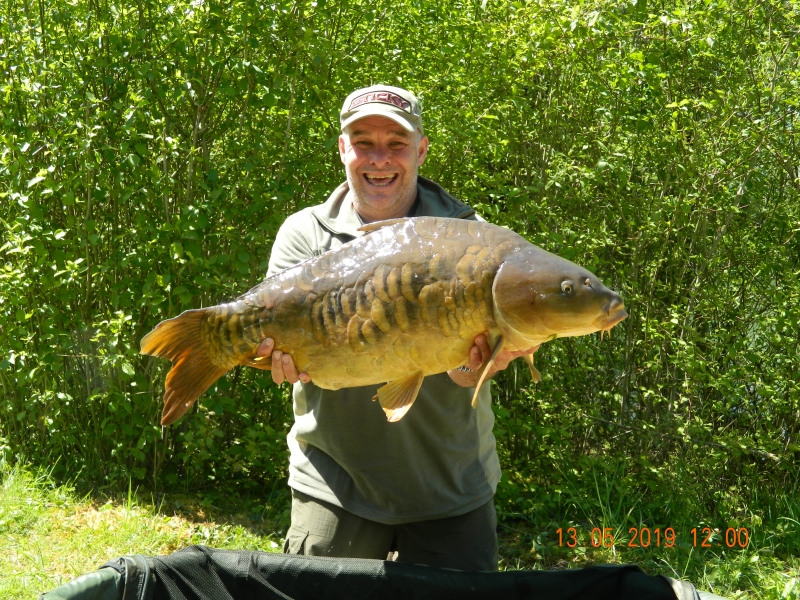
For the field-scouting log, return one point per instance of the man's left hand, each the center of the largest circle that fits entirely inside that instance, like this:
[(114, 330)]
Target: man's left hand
[(479, 354), (283, 367)]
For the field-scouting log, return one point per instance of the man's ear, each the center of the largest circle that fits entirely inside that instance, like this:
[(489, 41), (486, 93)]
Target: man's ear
[(422, 150), (341, 148)]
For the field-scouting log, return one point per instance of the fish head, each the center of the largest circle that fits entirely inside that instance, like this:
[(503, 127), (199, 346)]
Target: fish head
[(540, 296)]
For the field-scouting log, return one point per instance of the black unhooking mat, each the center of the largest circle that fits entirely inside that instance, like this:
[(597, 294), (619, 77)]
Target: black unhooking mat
[(200, 573)]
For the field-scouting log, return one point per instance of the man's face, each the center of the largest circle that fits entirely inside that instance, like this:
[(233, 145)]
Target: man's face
[(381, 159)]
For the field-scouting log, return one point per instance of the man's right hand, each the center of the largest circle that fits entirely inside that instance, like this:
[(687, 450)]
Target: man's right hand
[(283, 367)]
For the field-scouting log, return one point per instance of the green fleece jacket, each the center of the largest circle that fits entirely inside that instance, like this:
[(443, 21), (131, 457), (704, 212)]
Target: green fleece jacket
[(439, 461)]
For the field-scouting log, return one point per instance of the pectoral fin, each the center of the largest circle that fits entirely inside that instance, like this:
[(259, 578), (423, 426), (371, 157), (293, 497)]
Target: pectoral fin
[(485, 369), (537, 377), (397, 396)]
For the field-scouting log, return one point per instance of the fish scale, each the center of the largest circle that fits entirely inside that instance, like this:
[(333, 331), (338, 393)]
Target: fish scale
[(404, 301)]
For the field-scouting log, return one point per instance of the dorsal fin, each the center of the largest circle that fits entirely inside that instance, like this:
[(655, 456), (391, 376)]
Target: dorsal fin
[(369, 227)]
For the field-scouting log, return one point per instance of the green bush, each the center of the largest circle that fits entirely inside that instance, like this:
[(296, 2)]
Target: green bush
[(149, 152)]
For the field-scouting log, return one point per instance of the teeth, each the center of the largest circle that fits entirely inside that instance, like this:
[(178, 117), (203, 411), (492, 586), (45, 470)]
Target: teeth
[(381, 179)]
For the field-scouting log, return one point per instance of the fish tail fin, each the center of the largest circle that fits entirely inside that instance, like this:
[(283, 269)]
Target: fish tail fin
[(193, 370)]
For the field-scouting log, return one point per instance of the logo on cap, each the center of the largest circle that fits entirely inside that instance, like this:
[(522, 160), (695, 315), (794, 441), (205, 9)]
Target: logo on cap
[(385, 97)]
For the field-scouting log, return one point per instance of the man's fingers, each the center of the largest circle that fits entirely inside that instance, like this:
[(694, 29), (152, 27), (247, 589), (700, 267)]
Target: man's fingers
[(483, 345), (475, 358), (505, 357), (501, 361), (289, 369), (265, 349), (481, 352), (277, 367), (284, 369)]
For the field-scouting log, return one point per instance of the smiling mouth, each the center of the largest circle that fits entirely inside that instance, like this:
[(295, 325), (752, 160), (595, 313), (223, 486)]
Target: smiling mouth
[(380, 180)]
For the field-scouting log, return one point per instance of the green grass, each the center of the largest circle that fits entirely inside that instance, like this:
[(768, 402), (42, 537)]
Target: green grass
[(49, 535), (751, 573), (766, 568)]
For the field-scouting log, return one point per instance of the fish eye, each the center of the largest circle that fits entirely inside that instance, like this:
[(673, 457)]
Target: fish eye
[(588, 282), (566, 286)]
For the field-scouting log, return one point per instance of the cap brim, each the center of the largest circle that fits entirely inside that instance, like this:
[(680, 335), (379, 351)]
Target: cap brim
[(377, 112)]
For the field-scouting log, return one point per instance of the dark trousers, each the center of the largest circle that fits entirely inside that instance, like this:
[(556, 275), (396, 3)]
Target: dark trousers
[(467, 542)]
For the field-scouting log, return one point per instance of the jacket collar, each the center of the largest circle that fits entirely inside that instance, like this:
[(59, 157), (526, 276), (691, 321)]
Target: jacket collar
[(338, 216)]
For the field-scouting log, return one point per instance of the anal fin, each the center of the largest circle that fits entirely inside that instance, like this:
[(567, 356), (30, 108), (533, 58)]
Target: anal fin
[(261, 362), (485, 369), (537, 377), (397, 396)]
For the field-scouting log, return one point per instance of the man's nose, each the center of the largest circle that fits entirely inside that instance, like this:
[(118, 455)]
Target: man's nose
[(380, 156)]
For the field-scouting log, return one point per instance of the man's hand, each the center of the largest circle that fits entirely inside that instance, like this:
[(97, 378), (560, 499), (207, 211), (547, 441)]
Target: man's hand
[(478, 355), (283, 367)]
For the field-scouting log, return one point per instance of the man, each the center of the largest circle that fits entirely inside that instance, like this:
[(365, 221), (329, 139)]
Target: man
[(363, 487)]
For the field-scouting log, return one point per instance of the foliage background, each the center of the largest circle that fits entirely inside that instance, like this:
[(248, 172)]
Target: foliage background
[(150, 150)]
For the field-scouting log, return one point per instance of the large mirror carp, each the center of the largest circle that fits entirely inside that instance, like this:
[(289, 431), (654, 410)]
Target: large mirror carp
[(402, 302)]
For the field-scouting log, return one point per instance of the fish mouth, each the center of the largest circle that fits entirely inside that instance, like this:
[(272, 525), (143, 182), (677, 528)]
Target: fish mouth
[(606, 321), (613, 313), (380, 179)]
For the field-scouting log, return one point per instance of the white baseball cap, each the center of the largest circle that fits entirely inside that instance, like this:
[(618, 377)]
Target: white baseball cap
[(397, 104)]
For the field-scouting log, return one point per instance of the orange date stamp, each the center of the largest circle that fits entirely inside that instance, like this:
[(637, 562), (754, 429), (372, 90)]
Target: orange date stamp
[(645, 537)]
